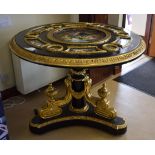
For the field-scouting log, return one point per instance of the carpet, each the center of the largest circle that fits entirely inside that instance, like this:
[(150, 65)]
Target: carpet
[(3, 126), (141, 78)]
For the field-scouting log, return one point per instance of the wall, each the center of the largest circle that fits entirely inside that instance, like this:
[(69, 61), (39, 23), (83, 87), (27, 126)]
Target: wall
[(139, 23), (9, 26), (115, 19)]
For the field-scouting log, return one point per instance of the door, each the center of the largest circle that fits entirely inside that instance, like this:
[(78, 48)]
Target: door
[(150, 35)]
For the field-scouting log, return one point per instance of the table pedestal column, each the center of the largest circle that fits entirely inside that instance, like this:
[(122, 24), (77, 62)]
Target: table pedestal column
[(78, 107)]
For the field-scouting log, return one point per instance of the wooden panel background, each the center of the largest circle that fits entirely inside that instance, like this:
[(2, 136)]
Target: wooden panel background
[(99, 74)]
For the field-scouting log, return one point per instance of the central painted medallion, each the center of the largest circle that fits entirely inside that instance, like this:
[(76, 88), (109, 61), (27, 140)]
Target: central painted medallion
[(79, 35)]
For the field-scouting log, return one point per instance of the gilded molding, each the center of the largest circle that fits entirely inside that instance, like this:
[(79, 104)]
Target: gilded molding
[(87, 118), (75, 62)]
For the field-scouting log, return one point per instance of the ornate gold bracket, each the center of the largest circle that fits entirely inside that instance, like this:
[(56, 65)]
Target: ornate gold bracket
[(102, 107), (53, 107), (50, 109), (77, 107)]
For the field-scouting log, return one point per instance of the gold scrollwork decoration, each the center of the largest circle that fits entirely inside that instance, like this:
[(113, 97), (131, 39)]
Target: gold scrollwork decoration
[(118, 31), (82, 72), (86, 48), (102, 107), (53, 107), (50, 109), (101, 104)]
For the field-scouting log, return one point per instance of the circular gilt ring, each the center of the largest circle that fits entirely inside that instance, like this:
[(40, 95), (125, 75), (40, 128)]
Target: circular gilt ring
[(54, 47), (124, 35), (110, 47)]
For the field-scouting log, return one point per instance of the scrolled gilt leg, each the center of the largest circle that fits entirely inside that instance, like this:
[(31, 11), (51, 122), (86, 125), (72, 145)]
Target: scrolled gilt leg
[(102, 107), (50, 109)]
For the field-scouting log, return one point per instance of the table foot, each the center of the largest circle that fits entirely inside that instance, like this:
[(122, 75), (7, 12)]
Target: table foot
[(78, 107)]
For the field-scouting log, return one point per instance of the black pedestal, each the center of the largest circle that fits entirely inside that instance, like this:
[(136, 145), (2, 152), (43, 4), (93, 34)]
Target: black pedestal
[(79, 108)]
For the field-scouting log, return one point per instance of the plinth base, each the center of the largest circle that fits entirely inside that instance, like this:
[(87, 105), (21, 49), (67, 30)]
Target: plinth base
[(78, 107), (114, 126)]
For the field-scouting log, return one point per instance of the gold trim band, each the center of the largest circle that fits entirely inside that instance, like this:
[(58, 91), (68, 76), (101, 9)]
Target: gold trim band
[(74, 62)]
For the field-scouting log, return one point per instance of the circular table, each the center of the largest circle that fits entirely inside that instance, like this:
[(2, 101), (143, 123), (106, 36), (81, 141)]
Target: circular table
[(77, 46)]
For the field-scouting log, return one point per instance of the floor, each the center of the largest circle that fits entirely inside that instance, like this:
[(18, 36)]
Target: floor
[(136, 107)]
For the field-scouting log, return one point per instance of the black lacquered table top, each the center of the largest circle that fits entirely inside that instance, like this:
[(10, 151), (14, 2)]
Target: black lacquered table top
[(77, 45)]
